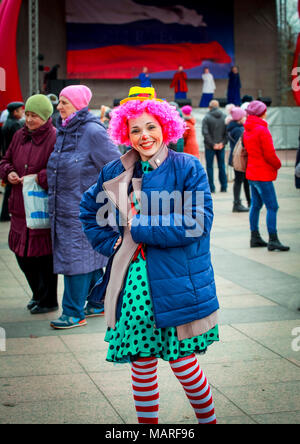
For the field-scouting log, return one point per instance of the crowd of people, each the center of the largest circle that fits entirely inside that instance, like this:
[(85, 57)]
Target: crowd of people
[(67, 176), (156, 305), (251, 127)]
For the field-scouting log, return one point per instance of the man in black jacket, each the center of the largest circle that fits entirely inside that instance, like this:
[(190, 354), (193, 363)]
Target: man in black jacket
[(12, 124), (215, 139)]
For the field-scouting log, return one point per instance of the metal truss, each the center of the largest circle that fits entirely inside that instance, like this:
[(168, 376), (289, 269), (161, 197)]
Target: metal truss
[(33, 18), (283, 74)]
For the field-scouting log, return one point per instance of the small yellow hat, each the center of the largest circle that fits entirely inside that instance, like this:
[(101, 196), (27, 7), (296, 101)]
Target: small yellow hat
[(139, 93)]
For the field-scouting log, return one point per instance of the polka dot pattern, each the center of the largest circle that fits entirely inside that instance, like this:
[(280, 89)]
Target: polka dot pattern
[(135, 335)]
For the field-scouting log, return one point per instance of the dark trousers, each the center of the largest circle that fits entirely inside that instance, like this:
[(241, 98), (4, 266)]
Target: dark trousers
[(4, 211), (40, 277), (209, 157), (239, 179)]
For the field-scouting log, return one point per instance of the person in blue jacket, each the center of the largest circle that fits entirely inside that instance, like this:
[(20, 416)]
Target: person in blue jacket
[(144, 77), (151, 214), (81, 150)]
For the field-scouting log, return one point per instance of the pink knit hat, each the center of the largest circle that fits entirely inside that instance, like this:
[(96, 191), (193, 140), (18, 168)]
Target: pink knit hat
[(237, 113), (256, 108), (78, 95), (187, 109)]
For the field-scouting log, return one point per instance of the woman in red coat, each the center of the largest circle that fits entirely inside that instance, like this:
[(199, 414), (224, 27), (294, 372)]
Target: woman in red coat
[(179, 83), (190, 140), (262, 168), (28, 154)]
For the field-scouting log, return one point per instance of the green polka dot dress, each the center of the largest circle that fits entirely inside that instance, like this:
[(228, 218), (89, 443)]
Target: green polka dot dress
[(135, 335)]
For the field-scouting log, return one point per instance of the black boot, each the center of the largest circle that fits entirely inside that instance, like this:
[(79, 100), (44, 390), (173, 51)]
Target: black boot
[(275, 244), (256, 240), (32, 303), (239, 208)]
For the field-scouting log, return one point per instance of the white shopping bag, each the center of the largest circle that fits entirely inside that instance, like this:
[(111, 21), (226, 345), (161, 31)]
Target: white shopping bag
[(36, 203)]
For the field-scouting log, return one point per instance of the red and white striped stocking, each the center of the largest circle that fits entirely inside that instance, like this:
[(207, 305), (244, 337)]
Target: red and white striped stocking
[(145, 390), (196, 387)]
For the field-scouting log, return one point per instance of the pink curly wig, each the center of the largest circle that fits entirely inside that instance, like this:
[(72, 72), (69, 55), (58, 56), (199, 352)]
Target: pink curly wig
[(173, 126)]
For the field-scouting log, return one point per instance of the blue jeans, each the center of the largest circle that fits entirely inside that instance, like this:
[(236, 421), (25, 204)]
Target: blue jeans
[(263, 193), (209, 157), (76, 290)]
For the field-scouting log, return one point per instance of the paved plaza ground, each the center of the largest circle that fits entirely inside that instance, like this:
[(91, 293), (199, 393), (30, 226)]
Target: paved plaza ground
[(49, 376)]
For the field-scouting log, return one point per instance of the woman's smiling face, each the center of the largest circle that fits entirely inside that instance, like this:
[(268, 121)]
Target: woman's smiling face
[(145, 135)]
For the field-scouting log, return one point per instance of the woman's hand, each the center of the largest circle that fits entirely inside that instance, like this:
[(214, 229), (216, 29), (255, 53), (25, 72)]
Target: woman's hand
[(28, 175), (14, 178), (118, 243)]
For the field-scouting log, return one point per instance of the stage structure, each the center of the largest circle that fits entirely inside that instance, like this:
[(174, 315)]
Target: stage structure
[(220, 46), (33, 19), (11, 90), (114, 40), (296, 66)]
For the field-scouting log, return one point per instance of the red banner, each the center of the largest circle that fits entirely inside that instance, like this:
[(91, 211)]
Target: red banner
[(119, 60), (10, 89)]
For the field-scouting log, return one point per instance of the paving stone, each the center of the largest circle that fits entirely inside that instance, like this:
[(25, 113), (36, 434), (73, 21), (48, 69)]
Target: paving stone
[(61, 377)]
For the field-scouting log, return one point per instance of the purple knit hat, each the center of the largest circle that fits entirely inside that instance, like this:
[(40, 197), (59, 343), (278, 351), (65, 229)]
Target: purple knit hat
[(78, 95), (256, 108), (237, 113), (187, 109)]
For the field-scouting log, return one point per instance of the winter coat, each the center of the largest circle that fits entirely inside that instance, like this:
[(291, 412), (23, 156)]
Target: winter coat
[(234, 131), (263, 162), (179, 82), (27, 154), (234, 89), (180, 272), (214, 128), (145, 80), (82, 148), (190, 140), (209, 85)]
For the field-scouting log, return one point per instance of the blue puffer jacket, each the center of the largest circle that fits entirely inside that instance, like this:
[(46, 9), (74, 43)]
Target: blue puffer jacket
[(179, 265), (82, 149)]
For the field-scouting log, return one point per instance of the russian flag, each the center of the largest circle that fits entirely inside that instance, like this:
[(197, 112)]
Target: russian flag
[(114, 41)]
